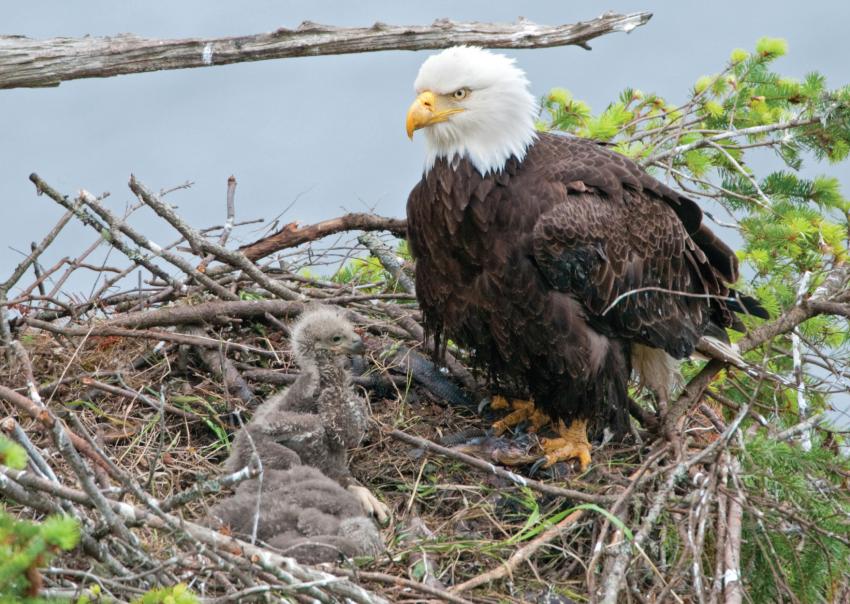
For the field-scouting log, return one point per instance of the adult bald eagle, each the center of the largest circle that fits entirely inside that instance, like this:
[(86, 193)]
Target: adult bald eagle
[(525, 241)]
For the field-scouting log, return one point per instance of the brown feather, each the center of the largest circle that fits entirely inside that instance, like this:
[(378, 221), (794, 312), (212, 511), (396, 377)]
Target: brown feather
[(519, 266)]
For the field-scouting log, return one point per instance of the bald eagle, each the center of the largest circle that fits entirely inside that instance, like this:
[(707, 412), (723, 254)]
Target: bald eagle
[(553, 259)]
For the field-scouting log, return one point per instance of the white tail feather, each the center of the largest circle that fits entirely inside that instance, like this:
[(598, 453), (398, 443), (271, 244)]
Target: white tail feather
[(656, 370), (713, 348)]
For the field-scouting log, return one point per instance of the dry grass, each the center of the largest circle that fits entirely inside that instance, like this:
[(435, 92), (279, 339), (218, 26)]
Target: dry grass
[(154, 378)]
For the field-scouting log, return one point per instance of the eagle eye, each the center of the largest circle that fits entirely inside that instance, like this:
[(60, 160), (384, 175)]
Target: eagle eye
[(460, 94), (337, 338)]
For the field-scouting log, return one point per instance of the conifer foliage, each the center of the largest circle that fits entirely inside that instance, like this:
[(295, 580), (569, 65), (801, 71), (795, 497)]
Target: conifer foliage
[(793, 230), (123, 402), (27, 546)]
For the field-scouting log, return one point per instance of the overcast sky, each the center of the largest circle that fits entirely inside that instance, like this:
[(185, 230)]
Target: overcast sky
[(327, 131)]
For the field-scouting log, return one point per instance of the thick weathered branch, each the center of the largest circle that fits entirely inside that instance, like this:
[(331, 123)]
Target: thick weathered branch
[(291, 235), (28, 63), (207, 312)]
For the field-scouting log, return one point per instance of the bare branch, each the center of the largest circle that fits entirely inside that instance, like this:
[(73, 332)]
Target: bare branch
[(388, 259), (28, 63), (831, 292), (506, 474), (522, 554), (292, 235)]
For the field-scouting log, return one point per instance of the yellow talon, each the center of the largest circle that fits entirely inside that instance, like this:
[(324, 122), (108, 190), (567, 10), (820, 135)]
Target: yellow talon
[(522, 410), (538, 420), (499, 402), (572, 444)]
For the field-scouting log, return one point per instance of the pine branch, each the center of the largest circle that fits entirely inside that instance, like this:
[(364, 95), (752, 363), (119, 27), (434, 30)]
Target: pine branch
[(831, 293), (708, 141)]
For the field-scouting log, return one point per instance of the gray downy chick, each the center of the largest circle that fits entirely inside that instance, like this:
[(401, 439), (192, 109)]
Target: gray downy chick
[(320, 416), (301, 512)]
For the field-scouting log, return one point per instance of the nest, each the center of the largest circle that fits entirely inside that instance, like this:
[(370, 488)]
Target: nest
[(126, 403)]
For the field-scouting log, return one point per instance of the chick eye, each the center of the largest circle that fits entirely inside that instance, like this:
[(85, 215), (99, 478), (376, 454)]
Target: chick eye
[(460, 94), (337, 338)]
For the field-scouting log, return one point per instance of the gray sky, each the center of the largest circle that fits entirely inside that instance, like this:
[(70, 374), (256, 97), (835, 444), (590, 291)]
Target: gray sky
[(327, 131)]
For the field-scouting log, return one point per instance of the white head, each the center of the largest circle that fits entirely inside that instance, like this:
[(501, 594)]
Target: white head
[(475, 103)]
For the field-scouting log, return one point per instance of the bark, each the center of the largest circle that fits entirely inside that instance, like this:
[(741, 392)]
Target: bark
[(292, 235), (29, 63), (388, 260)]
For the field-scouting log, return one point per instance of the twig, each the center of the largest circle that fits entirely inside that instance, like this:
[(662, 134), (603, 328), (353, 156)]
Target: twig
[(831, 290), (442, 594), (613, 582), (91, 221), (37, 250), (521, 555), (222, 367), (215, 485), (752, 131), (234, 259), (228, 224), (732, 588), (797, 359), (121, 226), (133, 395), (14, 430), (168, 336), (47, 419), (502, 473), (767, 204)]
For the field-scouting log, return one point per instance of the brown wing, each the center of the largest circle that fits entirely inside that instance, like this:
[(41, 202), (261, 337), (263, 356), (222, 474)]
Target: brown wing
[(620, 241)]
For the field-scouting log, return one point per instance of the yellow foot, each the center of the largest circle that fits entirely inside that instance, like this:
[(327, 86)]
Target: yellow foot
[(522, 410), (572, 444)]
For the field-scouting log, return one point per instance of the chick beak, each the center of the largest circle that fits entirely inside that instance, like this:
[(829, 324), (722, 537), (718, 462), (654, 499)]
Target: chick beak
[(426, 110)]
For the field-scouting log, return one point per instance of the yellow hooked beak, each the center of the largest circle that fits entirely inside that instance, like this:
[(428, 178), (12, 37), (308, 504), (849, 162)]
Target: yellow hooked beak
[(427, 109)]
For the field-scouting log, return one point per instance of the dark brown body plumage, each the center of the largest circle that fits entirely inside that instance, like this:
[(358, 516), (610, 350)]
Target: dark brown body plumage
[(520, 267)]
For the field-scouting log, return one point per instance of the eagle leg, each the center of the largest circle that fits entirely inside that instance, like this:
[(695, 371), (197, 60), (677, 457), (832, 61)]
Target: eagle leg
[(572, 444), (522, 410)]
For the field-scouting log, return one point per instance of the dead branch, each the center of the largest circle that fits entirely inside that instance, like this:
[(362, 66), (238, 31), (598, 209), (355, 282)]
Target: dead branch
[(217, 312), (167, 336), (831, 292), (388, 260), (132, 395), (292, 235), (198, 242), (228, 224), (486, 466), (28, 63), (47, 419), (522, 554)]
